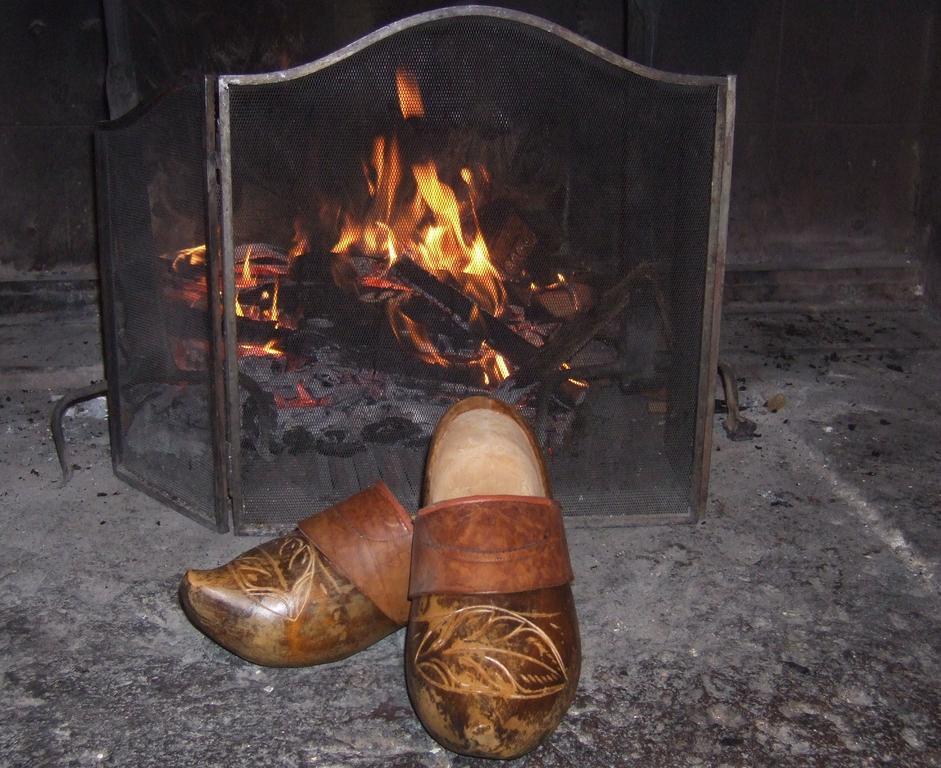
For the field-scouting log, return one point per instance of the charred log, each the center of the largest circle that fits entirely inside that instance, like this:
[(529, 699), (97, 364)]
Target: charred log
[(574, 335), (464, 312)]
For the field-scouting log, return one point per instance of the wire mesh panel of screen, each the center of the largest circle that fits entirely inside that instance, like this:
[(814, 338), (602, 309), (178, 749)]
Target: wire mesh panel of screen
[(468, 202), (152, 218)]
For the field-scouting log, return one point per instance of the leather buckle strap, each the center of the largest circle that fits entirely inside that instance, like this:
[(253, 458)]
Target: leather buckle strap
[(489, 545), (368, 538)]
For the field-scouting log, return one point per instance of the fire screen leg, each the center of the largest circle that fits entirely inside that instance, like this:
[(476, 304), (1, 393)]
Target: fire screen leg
[(74, 397)]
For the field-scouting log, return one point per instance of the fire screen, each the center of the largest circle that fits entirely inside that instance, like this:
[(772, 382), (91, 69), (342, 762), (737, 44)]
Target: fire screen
[(152, 205), (469, 201)]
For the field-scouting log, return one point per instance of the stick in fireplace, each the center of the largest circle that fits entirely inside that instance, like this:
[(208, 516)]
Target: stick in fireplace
[(574, 335), (464, 311), (497, 334)]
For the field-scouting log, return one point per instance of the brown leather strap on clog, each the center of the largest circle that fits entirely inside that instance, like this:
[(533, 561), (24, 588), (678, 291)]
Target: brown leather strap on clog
[(368, 538), (489, 545)]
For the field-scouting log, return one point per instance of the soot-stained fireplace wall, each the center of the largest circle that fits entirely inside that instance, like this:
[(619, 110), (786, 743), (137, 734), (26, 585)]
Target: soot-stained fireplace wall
[(302, 270)]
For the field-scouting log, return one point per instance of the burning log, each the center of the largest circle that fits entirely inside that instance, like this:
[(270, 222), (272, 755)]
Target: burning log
[(574, 335), (464, 312), (565, 299), (471, 317)]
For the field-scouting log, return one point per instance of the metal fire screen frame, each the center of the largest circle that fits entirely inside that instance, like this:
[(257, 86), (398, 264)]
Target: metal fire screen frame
[(225, 421), (218, 515)]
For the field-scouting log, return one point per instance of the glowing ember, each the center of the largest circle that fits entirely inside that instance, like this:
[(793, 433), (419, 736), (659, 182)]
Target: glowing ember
[(304, 399), (580, 383), (258, 350)]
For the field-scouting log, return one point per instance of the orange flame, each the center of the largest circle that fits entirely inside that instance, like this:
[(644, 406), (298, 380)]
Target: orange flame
[(193, 257), (488, 290), (493, 366), (349, 234), (273, 313), (300, 243), (269, 349), (410, 101), (434, 225), (375, 235), (411, 334), (388, 174), (247, 267), (446, 248)]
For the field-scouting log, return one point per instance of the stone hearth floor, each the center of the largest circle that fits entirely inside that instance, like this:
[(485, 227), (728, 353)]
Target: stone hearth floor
[(799, 624)]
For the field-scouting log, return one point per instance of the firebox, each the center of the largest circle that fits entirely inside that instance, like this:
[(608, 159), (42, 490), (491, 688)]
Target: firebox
[(302, 270)]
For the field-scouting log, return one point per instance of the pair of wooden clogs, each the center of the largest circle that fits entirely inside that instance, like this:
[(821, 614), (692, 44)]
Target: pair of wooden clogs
[(492, 649)]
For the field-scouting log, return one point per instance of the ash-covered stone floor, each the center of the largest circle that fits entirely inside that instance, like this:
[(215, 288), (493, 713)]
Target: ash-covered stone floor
[(799, 624)]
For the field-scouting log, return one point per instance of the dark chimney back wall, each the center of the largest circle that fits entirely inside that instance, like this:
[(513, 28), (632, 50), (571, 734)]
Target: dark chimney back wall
[(930, 196), (52, 88), (829, 128), (166, 37), (835, 137), (51, 96)]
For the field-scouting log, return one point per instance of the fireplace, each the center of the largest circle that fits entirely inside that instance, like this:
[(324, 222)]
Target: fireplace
[(302, 270)]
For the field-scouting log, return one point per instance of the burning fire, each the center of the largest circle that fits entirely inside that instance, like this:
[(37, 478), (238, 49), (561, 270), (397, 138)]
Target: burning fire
[(415, 214), (407, 331), (258, 273), (492, 365), (416, 210), (189, 279), (191, 257), (247, 269), (273, 313), (259, 350), (300, 244)]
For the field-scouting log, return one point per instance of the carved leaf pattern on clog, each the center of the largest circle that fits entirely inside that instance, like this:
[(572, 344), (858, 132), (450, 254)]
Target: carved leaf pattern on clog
[(278, 575), (490, 650)]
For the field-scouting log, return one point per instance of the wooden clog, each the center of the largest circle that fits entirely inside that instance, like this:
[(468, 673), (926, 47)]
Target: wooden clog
[(492, 647), (334, 586)]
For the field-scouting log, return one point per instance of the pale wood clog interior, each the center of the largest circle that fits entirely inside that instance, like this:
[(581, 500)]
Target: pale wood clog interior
[(483, 452)]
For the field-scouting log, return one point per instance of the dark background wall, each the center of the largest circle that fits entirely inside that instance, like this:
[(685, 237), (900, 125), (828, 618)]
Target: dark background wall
[(836, 137), (51, 94), (52, 86), (166, 37), (832, 99), (930, 209)]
